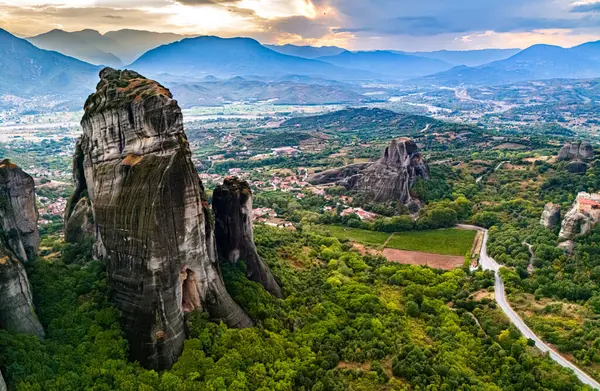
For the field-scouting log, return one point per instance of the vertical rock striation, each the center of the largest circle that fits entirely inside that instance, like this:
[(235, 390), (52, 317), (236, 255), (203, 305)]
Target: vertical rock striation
[(133, 166), (18, 211), (388, 179), (19, 242), (232, 204), (551, 216)]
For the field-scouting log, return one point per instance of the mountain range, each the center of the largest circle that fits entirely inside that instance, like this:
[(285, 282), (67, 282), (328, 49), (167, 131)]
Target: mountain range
[(310, 52), (196, 58), (114, 48), (26, 71), (538, 62), (394, 65)]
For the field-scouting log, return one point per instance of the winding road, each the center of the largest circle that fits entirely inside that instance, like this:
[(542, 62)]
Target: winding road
[(488, 263)]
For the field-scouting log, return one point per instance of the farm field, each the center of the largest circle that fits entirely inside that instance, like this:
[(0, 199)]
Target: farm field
[(441, 241)]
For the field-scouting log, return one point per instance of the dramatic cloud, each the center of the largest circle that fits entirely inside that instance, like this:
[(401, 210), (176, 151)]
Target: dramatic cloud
[(357, 24)]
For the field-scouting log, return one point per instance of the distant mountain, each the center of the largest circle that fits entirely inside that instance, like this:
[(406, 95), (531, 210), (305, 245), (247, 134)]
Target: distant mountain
[(114, 48), (396, 65), (27, 71), (84, 45), (134, 43), (310, 52), (590, 50), (470, 58), (218, 92), (196, 58), (538, 62)]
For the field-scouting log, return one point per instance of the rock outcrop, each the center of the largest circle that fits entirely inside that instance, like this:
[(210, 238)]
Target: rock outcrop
[(18, 211), (232, 204), (2, 383), (389, 178), (150, 216), (19, 242), (578, 155), (580, 219), (576, 151), (551, 216)]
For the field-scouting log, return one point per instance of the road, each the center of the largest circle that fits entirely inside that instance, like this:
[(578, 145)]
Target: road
[(488, 263)]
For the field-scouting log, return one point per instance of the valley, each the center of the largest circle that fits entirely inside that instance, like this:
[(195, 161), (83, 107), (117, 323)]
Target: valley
[(237, 213)]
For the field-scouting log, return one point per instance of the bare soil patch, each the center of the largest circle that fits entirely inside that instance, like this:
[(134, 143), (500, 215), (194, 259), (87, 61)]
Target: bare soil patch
[(436, 261)]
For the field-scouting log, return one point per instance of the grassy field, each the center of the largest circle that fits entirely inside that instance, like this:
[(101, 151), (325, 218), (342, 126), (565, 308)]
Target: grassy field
[(358, 235), (441, 241)]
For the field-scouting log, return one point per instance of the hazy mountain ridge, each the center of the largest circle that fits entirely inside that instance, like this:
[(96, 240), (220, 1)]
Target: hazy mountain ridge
[(390, 64), (114, 48), (310, 52), (27, 71), (468, 57), (538, 62), (228, 57)]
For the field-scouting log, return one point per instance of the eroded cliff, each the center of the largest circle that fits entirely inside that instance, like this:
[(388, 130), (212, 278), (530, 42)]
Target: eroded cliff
[(19, 242), (150, 218), (232, 204), (582, 216), (389, 178)]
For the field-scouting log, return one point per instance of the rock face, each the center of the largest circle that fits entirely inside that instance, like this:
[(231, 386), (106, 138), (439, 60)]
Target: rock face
[(551, 216), (150, 216), (18, 211), (581, 217), (2, 383), (389, 178), (582, 151), (19, 241), (578, 155), (232, 204)]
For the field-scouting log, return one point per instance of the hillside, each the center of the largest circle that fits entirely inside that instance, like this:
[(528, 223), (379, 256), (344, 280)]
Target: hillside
[(27, 71), (227, 57), (218, 92), (84, 45), (537, 62), (114, 48), (374, 122), (396, 65), (469, 58), (310, 52)]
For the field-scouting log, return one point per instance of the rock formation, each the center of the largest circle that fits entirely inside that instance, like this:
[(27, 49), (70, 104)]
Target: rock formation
[(19, 242), (551, 216), (578, 155), (232, 204), (2, 383), (576, 151), (581, 217), (18, 211), (150, 218), (389, 178)]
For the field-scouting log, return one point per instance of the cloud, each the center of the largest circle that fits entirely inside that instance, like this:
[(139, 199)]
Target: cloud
[(582, 8), (207, 2)]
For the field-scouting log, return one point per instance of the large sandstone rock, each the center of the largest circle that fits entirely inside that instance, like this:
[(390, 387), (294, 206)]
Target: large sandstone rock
[(582, 216), (232, 204), (576, 151), (19, 242), (18, 211), (389, 178), (2, 383), (551, 216), (149, 215)]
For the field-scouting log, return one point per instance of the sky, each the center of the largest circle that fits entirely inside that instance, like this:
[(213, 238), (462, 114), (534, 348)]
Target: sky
[(411, 25)]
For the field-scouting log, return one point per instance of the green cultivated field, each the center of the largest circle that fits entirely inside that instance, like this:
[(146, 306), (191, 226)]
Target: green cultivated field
[(358, 235), (441, 241)]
